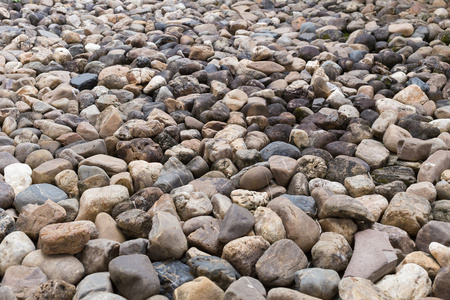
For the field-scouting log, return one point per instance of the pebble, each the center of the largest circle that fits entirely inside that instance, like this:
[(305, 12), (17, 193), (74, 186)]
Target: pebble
[(227, 132)]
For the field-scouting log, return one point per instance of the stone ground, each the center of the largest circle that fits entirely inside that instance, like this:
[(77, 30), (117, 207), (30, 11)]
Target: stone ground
[(268, 149)]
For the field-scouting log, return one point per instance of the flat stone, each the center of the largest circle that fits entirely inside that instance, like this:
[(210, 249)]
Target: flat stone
[(245, 288), (373, 256)]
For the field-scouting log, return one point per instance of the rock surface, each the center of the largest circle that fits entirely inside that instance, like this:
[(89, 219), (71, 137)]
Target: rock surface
[(217, 138)]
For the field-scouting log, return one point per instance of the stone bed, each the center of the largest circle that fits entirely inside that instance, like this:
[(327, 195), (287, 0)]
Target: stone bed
[(236, 150)]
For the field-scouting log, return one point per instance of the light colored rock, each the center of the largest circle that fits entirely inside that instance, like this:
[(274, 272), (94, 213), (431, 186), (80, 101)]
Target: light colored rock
[(357, 288), (62, 266), (269, 225), (410, 283), (14, 247), (18, 176), (441, 253), (410, 95), (97, 200)]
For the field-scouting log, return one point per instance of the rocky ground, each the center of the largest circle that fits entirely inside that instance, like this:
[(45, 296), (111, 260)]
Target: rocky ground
[(268, 149)]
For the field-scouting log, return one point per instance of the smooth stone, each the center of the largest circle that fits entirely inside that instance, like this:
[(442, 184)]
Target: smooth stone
[(255, 178), (33, 218), (166, 238), (269, 225), (24, 281), (296, 222), (64, 238), (332, 251), (317, 282), (98, 200), (97, 254), (282, 293), (18, 176), (200, 288), (97, 282), (14, 247), (134, 276), (245, 288), (173, 175), (63, 267), (440, 285), (280, 148), (411, 282), (441, 253), (38, 194), (357, 288), (433, 231), (408, 212), (343, 206), (422, 259)]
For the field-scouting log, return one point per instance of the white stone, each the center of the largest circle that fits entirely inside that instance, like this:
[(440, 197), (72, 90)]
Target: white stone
[(400, 77), (235, 99), (442, 124), (91, 47), (14, 247), (62, 55), (154, 84), (349, 111), (18, 176), (410, 283), (441, 253), (336, 187)]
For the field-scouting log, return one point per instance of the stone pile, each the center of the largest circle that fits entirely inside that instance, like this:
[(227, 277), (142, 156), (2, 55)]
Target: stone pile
[(268, 149)]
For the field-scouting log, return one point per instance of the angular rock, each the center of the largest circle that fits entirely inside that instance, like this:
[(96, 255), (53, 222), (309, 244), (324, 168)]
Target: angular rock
[(373, 256), (277, 266), (243, 253), (216, 269), (408, 212)]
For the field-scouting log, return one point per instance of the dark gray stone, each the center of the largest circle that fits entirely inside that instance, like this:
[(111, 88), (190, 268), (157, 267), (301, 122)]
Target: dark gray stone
[(38, 194), (237, 222), (172, 274), (134, 276), (280, 148), (173, 175), (85, 81), (215, 268), (316, 282)]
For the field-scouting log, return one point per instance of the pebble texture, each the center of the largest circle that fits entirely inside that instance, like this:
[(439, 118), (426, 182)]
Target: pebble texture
[(229, 149)]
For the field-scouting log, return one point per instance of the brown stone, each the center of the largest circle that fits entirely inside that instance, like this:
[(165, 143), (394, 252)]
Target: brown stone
[(244, 252), (373, 256), (63, 238), (46, 172), (296, 223), (34, 218)]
